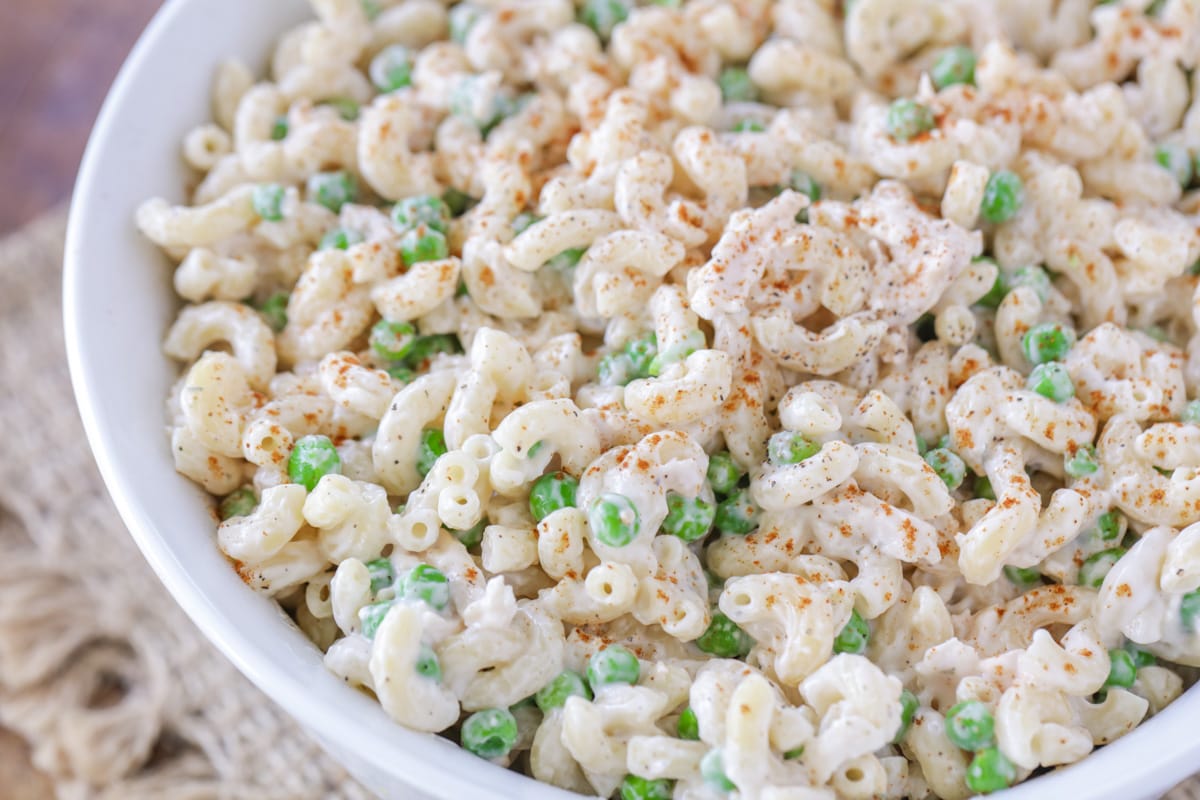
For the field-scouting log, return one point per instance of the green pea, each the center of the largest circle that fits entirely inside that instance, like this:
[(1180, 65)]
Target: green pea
[(392, 340), (995, 296), (554, 694), (738, 513), (427, 584), (804, 183), (1051, 380), (787, 447), (723, 472), (688, 727), (614, 664), (948, 466), (371, 9), (1191, 413), (423, 243), (426, 347), (431, 448), (1082, 462), (536, 448), (1108, 525), (370, 617), (908, 119), (422, 209), (402, 373), (1094, 570), (457, 201), (1003, 197), (1023, 578), (955, 65), (347, 108), (1047, 342), (1176, 161), (550, 493), (490, 733), (471, 537), (391, 69), (524, 221), (749, 126), (462, 18), (1033, 277), (688, 518), (983, 488), (1141, 658), (567, 258), (712, 770), (793, 753), (854, 635), (274, 310), (635, 788), (724, 639), (312, 458), (604, 15), (614, 519), (340, 239), (428, 665), (267, 199), (908, 709), (240, 503), (382, 573), (736, 86), (970, 726), (1156, 332), (279, 128), (1189, 610), (641, 352), (614, 369), (1122, 671), (332, 189), (990, 771)]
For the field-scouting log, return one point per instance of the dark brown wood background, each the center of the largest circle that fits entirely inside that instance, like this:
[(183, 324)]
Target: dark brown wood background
[(57, 59)]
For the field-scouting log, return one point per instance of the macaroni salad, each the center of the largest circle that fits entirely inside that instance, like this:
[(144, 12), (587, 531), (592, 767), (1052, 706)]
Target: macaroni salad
[(719, 398)]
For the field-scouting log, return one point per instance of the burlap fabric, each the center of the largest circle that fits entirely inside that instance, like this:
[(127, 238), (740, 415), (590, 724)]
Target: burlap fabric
[(116, 691)]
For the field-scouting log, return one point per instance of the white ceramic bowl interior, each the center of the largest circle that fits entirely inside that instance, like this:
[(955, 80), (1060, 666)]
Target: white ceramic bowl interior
[(118, 304)]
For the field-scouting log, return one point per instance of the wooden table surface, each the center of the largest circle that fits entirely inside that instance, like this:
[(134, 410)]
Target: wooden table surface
[(57, 59)]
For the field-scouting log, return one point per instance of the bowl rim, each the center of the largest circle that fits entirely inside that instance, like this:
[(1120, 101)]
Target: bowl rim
[(1146, 761)]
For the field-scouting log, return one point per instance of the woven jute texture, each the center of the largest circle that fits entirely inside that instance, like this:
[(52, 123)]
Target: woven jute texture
[(118, 694), (116, 691)]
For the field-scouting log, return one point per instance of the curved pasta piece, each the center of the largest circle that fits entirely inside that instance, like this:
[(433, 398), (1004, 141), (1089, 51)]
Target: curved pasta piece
[(684, 392), (253, 344), (786, 486), (394, 452), (827, 352), (411, 699)]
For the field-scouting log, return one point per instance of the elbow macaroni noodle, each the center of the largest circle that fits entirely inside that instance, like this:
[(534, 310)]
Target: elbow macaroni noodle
[(712, 398)]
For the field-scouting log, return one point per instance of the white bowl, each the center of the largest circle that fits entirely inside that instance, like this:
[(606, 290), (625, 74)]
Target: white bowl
[(118, 304)]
